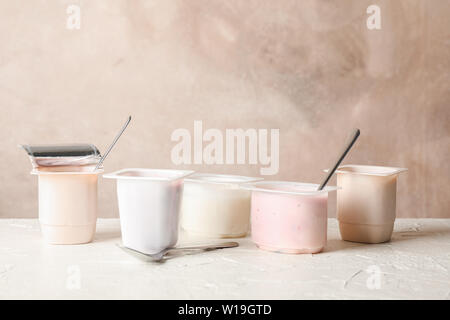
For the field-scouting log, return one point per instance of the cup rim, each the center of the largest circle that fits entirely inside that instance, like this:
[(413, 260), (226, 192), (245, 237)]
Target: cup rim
[(369, 170), (221, 179), (258, 187), (38, 172), (164, 174)]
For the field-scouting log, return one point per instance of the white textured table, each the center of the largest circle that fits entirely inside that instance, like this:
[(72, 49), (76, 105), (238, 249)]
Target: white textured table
[(415, 264)]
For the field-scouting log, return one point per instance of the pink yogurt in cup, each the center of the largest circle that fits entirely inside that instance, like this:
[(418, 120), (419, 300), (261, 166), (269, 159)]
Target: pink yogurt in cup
[(289, 217)]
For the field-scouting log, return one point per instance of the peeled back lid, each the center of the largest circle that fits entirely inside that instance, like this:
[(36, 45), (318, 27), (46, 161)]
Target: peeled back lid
[(62, 155), (69, 150)]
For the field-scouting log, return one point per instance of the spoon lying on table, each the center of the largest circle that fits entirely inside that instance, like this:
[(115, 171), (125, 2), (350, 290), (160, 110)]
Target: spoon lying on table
[(348, 146), (160, 255)]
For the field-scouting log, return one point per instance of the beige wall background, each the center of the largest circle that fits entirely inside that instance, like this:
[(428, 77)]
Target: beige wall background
[(310, 68)]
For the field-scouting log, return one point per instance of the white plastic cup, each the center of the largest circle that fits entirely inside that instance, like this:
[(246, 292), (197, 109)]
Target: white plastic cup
[(68, 204), (289, 217), (149, 202), (214, 206), (366, 202)]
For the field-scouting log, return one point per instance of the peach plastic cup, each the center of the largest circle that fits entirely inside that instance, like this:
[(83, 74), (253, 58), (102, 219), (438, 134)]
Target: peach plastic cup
[(289, 217), (366, 202), (67, 204)]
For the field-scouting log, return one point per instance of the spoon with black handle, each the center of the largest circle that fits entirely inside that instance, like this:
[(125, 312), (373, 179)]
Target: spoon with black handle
[(348, 146)]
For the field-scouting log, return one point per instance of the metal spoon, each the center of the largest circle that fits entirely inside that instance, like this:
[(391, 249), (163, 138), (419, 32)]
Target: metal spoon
[(160, 255), (113, 143), (342, 155)]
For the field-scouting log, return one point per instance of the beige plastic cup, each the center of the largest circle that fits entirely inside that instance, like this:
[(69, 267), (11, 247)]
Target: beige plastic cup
[(366, 202), (67, 204)]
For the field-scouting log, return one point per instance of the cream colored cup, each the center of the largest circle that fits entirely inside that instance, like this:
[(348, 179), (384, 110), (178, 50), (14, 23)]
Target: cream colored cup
[(68, 204), (214, 206), (366, 202)]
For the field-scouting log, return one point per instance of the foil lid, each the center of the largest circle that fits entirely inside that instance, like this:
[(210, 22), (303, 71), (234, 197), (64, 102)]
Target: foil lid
[(62, 155)]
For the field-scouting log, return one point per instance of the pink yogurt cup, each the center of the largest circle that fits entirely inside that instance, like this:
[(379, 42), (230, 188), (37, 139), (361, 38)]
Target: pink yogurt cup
[(289, 217)]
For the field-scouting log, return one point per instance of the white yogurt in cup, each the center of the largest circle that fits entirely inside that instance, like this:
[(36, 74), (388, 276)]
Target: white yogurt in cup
[(366, 202), (215, 206), (67, 203), (149, 202), (289, 217)]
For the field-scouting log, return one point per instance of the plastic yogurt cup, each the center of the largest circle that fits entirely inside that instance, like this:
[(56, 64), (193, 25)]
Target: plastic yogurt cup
[(366, 202), (215, 206), (289, 217), (68, 204), (149, 203)]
